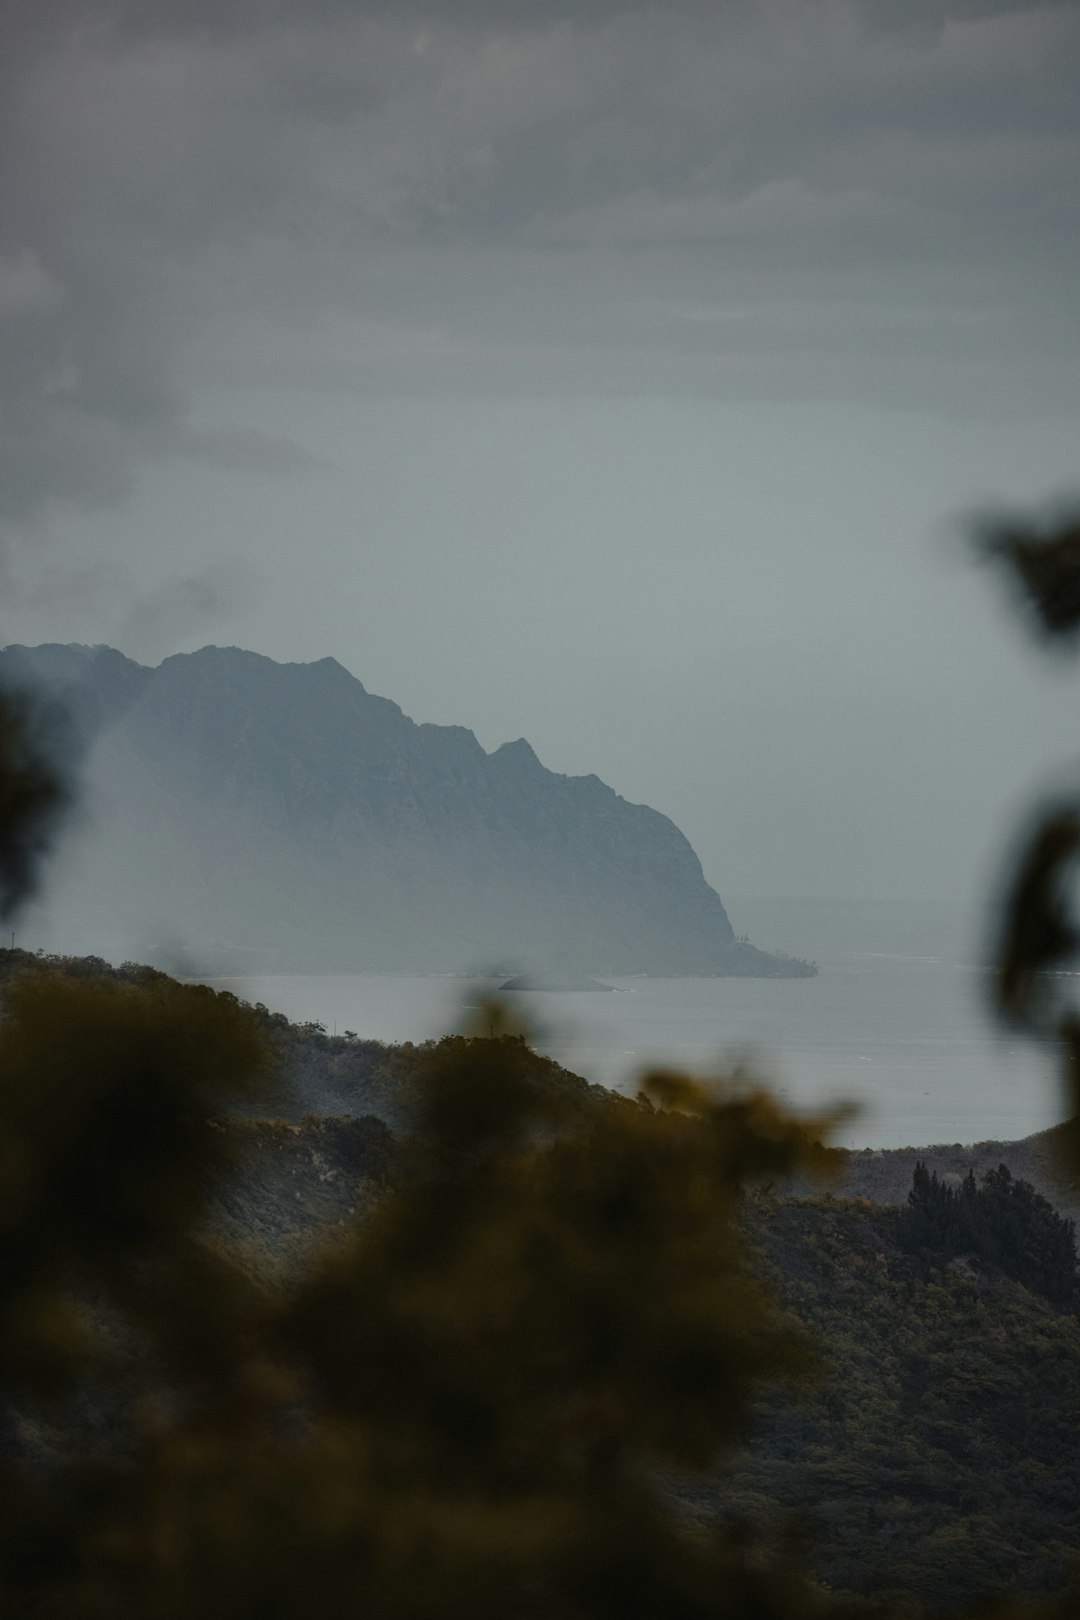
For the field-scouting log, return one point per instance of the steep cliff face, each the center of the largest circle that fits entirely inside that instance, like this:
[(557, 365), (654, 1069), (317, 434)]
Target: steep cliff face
[(281, 816)]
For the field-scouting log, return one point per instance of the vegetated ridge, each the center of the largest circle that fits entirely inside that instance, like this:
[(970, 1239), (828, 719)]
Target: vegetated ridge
[(278, 817), (931, 1459)]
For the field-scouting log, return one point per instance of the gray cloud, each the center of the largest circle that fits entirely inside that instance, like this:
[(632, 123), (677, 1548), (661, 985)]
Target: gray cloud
[(873, 200), (239, 449)]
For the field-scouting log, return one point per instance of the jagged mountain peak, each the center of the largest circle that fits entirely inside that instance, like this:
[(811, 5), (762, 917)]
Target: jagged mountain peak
[(281, 815), (519, 753)]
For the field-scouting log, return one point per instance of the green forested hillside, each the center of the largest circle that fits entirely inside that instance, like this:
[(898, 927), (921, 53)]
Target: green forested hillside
[(933, 1455), (930, 1458)]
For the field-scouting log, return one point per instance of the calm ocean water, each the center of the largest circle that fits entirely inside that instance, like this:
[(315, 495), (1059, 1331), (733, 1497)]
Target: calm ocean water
[(895, 1022)]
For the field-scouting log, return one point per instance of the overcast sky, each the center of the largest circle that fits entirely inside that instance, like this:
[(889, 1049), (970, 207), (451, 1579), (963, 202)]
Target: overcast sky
[(610, 374)]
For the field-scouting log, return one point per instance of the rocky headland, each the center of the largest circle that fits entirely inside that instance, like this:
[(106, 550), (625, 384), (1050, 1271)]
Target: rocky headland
[(268, 817)]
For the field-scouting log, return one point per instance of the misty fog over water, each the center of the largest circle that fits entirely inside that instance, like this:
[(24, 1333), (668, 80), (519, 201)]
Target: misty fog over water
[(895, 1022)]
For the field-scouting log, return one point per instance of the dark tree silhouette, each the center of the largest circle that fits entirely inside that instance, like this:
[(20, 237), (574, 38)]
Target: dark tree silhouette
[(1003, 1222)]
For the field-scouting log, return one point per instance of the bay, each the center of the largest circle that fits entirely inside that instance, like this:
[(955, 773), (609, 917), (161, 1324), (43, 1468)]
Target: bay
[(896, 1021)]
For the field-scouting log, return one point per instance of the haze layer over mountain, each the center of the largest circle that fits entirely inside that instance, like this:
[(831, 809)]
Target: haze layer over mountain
[(279, 816)]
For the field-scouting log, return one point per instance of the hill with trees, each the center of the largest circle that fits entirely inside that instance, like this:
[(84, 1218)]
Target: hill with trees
[(905, 1434)]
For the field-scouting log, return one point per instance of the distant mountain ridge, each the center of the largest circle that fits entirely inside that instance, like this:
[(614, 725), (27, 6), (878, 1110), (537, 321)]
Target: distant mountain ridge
[(279, 817)]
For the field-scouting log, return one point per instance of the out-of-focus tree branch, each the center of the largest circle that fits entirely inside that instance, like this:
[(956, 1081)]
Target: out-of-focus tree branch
[(1041, 559), (1039, 937), (32, 799)]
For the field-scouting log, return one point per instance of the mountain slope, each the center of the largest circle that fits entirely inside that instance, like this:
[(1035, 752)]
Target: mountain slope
[(281, 816)]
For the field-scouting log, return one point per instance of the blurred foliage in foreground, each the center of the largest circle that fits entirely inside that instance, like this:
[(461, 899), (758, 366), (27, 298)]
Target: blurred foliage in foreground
[(1039, 941), (32, 797), (490, 1355), (464, 1409)]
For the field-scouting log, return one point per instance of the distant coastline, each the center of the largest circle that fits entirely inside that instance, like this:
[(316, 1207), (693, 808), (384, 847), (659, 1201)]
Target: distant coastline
[(324, 1012)]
